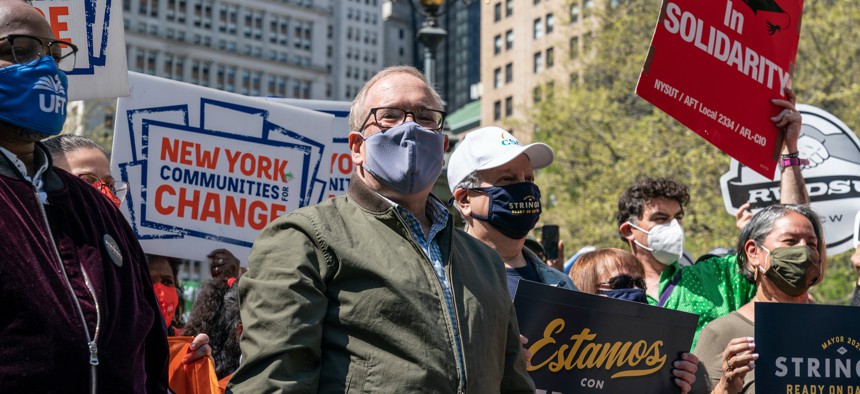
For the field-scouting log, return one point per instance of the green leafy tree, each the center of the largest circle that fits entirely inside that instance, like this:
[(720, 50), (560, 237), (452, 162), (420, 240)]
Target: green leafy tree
[(605, 136)]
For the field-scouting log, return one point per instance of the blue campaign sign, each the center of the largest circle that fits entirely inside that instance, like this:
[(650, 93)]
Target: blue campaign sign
[(806, 348), (209, 169), (585, 343)]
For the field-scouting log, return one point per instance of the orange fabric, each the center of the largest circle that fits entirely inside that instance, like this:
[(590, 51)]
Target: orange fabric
[(197, 377), (223, 383)]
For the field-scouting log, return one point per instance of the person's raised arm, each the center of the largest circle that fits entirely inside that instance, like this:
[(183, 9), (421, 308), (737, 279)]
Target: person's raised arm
[(855, 261), (792, 188)]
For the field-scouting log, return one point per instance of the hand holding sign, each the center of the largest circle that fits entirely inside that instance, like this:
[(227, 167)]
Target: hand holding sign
[(788, 120), (685, 371), (738, 360)]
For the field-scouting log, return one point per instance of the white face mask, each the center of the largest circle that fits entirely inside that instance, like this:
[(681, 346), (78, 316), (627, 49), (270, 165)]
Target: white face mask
[(666, 241)]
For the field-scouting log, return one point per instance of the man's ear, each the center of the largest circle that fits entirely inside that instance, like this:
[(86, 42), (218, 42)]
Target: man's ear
[(626, 231), (462, 201), (445, 149), (356, 140)]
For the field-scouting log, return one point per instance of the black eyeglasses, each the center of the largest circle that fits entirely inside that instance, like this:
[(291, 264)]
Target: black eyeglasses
[(624, 282), (24, 49), (387, 117)]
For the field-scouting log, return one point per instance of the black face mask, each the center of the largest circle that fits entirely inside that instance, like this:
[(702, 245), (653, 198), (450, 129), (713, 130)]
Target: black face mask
[(634, 294), (513, 210)]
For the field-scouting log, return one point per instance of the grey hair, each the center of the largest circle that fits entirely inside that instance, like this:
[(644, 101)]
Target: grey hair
[(69, 143), (472, 180), (761, 225), (357, 112)]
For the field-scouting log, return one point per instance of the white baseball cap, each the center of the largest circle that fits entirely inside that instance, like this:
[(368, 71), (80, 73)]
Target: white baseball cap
[(491, 147)]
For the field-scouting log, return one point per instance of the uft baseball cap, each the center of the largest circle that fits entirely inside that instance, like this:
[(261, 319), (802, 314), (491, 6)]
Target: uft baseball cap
[(491, 147)]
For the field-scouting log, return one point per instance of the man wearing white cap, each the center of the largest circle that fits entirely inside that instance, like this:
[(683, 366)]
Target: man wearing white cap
[(491, 177)]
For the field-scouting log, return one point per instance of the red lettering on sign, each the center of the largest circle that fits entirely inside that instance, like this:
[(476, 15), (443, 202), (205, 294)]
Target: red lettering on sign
[(159, 199), (215, 208), (211, 208), (259, 166), (169, 150), (181, 152), (56, 26), (184, 202), (234, 213), (232, 158)]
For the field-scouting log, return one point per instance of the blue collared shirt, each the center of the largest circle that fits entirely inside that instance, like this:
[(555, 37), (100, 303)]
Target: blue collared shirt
[(438, 215)]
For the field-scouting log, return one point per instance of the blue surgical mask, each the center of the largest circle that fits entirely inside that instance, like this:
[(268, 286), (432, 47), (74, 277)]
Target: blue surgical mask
[(407, 158), (33, 96), (513, 209), (634, 294)]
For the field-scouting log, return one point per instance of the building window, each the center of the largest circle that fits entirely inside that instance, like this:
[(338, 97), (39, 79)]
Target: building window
[(497, 12), (509, 106), (586, 43), (574, 79), (538, 28), (573, 51), (509, 39), (497, 78), (550, 57), (538, 62), (536, 95), (509, 73), (574, 13), (497, 44), (497, 110), (550, 23), (588, 6), (509, 7)]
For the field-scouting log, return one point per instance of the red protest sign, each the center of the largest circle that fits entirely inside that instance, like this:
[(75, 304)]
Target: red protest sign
[(715, 65)]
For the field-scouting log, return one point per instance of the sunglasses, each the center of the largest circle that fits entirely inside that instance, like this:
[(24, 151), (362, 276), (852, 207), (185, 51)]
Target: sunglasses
[(624, 282)]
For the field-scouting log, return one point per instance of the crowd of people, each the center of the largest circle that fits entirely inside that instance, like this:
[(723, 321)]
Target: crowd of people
[(373, 291)]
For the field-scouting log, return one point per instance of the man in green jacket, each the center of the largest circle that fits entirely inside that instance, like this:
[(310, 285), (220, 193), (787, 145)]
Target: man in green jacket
[(376, 291), (650, 215)]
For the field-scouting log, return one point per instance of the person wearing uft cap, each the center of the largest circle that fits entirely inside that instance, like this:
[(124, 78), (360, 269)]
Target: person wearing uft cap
[(491, 177), (79, 312)]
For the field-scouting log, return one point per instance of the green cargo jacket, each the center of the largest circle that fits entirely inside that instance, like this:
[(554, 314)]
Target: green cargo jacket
[(340, 298)]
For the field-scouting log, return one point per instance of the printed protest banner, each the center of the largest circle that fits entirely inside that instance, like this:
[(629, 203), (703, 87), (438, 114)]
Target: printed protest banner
[(807, 348), (715, 65), (832, 177), (96, 28), (209, 169), (341, 159), (584, 343)]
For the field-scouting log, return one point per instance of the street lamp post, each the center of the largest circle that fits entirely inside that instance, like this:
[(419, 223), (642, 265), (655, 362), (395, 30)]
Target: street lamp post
[(430, 35)]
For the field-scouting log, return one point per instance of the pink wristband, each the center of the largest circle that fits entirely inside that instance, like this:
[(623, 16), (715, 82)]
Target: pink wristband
[(792, 161)]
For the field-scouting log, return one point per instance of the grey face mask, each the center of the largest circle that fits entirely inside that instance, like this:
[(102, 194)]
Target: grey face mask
[(407, 158)]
